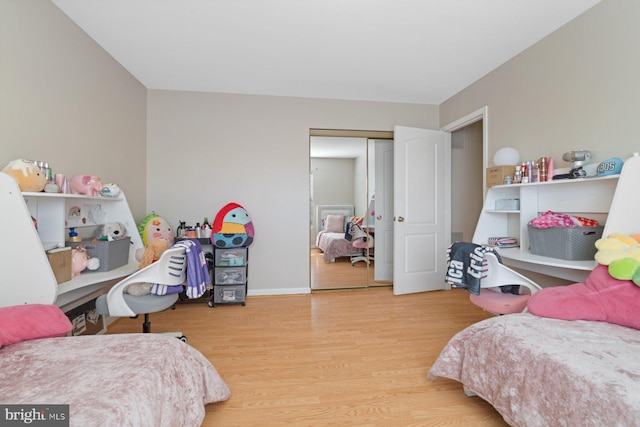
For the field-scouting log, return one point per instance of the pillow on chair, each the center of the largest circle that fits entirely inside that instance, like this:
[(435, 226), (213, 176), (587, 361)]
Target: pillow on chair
[(32, 321)]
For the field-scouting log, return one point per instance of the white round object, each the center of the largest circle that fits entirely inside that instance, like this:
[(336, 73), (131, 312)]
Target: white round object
[(507, 156)]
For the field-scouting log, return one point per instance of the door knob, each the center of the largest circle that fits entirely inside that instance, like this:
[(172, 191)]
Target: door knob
[(400, 219), (378, 217)]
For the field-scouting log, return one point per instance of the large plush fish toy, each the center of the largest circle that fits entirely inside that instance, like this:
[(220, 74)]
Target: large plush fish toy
[(232, 227)]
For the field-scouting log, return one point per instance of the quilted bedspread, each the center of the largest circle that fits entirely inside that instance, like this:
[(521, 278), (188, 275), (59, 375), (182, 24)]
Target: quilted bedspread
[(547, 372), (113, 380)]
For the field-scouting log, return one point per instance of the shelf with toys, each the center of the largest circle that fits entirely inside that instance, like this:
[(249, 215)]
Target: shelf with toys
[(35, 221)]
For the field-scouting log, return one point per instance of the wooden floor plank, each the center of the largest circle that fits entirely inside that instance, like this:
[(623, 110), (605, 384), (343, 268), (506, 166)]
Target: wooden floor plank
[(338, 358)]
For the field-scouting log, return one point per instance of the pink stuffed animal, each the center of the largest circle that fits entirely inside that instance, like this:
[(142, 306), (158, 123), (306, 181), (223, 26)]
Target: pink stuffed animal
[(80, 260), (86, 184)]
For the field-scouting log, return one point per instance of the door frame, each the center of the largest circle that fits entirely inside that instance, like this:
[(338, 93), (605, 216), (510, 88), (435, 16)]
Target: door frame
[(345, 133), (479, 114)]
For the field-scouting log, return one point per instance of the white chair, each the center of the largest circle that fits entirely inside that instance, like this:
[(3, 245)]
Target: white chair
[(169, 270), (491, 298)]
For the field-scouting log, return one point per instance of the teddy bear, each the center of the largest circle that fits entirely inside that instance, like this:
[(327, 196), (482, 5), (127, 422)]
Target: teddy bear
[(152, 252), (28, 176), (110, 231), (621, 253)]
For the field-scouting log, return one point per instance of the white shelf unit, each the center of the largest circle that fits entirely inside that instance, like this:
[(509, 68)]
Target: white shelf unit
[(27, 274), (609, 199)]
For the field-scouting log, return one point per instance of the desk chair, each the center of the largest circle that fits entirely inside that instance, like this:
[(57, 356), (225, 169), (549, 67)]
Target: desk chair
[(492, 299), (364, 243), (168, 270)]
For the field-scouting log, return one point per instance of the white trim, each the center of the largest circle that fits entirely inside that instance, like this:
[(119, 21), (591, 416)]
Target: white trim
[(480, 114), (278, 291)]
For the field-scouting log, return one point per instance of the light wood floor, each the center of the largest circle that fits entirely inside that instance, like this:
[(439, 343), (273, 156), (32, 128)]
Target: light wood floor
[(340, 274), (332, 358)]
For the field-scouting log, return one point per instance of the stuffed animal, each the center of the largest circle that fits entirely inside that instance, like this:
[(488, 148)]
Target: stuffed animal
[(80, 261), (232, 227), (110, 231), (110, 190), (154, 227), (28, 176), (150, 254), (621, 253)]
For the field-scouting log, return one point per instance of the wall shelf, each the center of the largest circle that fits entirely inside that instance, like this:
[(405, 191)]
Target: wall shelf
[(609, 199), (28, 278)]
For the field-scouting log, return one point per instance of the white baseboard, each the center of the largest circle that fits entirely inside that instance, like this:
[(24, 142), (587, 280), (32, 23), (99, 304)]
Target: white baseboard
[(280, 291)]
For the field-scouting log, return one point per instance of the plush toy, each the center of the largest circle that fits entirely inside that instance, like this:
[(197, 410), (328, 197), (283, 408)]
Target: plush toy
[(152, 252), (28, 175), (110, 231), (611, 292), (232, 227), (110, 190), (157, 236), (80, 261), (154, 227), (621, 253)]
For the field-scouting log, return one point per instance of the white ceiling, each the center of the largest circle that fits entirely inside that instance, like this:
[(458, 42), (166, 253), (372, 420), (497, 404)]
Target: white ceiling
[(416, 51)]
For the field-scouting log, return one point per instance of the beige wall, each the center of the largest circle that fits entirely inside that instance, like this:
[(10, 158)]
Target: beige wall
[(64, 100), (576, 89), (208, 149)]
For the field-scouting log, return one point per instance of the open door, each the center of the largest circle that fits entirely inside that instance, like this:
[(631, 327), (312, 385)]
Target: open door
[(422, 217)]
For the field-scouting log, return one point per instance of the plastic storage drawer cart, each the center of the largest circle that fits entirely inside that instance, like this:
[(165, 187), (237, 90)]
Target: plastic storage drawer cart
[(230, 269)]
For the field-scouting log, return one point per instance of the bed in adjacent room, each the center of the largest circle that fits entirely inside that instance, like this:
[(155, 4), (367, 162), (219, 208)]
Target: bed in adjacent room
[(331, 221)]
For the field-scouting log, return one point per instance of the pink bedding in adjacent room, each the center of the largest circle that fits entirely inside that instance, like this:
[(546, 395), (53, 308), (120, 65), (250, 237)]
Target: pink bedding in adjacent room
[(334, 245), (113, 380), (548, 372)]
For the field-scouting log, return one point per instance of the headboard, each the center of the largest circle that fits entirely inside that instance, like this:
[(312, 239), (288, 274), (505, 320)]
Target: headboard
[(324, 210)]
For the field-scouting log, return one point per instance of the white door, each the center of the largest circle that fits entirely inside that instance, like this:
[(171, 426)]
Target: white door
[(422, 226), (383, 252)]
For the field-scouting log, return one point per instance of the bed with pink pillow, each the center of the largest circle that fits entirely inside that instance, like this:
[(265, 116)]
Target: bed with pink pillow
[(331, 221), (573, 360), (107, 380)]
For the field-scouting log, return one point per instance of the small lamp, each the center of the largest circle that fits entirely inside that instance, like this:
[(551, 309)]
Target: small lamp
[(507, 156)]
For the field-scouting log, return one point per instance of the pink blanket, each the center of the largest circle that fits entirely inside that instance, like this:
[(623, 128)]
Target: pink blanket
[(113, 380), (334, 245), (547, 372)]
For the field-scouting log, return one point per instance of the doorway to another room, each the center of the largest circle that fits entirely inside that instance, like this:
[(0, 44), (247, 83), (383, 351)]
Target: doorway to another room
[(342, 188), (361, 179)]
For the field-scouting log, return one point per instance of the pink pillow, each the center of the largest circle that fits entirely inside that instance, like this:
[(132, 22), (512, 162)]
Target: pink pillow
[(601, 297), (31, 321), (334, 224)]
